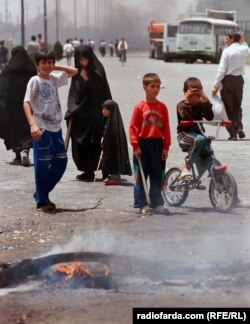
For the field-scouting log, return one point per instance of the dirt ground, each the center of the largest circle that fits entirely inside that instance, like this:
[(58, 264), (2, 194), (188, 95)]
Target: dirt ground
[(193, 258)]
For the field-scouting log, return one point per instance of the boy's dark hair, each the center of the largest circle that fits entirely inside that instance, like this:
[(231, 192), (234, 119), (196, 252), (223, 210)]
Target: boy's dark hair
[(150, 77), (192, 83), (235, 36), (45, 56)]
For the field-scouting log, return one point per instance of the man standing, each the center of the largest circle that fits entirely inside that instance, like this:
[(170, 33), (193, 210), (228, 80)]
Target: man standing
[(41, 42), (32, 48), (68, 51), (229, 78)]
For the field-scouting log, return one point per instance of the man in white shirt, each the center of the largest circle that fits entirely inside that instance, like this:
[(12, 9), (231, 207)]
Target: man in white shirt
[(68, 51), (229, 78)]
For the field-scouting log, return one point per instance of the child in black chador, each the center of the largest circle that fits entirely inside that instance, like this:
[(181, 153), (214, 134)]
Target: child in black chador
[(115, 159)]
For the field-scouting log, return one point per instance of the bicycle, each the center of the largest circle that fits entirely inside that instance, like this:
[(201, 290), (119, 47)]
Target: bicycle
[(123, 56), (223, 190)]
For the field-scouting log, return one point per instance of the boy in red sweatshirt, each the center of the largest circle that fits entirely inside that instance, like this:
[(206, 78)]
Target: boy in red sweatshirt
[(149, 134)]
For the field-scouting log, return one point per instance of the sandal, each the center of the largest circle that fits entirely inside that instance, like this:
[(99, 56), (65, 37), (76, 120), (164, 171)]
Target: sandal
[(146, 210), (186, 175), (111, 182)]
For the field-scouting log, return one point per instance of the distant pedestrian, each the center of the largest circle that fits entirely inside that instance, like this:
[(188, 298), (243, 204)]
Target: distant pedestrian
[(68, 51), (116, 47), (44, 115), (229, 79), (58, 49), (75, 42), (149, 133), (3, 55), (111, 49), (115, 157), (102, 47), (122, 49), (32, 47), (14, 127), (42, 44)]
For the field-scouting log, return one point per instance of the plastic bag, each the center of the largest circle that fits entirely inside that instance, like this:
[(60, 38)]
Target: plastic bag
[(218, 109)]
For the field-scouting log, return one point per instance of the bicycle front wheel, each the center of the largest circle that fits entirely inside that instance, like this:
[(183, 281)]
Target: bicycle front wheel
[(223, 192), (175, 190)]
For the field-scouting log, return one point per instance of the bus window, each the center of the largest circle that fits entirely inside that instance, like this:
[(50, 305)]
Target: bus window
[(172, 30), (195, 27)]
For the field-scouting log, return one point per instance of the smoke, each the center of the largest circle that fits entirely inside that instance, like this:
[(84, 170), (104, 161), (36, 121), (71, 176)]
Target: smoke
[(111, 20), (99, 240)]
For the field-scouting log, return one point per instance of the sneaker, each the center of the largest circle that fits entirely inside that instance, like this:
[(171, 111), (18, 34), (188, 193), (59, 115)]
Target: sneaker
[(146, 210), (241, 133), (16, 161), (160, 210), (200, 186), (46, 207), (25, 161), (186, 175)]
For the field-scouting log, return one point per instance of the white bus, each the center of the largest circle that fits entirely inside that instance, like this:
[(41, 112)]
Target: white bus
[(203, 38), (169, 41)]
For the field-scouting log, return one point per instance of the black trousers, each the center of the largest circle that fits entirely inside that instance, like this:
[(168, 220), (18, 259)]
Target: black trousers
[(154, 169), (231, 95)]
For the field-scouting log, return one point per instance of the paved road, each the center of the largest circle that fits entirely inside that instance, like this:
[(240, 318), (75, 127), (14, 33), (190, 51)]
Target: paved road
[(205, 256)]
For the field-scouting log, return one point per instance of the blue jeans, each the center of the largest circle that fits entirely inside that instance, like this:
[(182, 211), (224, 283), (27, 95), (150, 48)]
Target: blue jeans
[(195, 144), (50, 161)]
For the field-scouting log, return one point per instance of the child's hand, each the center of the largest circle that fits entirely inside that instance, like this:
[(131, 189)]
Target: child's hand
[(164, 155), (137, 153), (191, 92), (35, 132)]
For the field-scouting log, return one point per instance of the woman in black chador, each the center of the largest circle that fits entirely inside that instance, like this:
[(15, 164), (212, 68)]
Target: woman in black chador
[(88, 90), (115, 158), (58, 49), (14, 128)]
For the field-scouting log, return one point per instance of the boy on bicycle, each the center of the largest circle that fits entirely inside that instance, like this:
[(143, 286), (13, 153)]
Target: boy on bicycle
[(194, 106)]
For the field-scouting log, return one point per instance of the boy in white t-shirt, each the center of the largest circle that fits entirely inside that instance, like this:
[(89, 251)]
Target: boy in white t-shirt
[(43, 112)]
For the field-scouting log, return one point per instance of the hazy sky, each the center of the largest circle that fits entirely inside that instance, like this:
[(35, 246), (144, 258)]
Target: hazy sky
[(156, 9)]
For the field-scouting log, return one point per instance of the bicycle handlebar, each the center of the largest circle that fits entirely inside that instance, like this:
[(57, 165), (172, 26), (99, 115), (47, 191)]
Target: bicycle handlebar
[(220, 122)]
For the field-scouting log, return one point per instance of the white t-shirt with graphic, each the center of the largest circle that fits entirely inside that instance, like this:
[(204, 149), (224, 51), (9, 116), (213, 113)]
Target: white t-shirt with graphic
[(42, 94)]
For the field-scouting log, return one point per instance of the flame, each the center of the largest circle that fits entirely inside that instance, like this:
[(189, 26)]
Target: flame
[(77, 269)]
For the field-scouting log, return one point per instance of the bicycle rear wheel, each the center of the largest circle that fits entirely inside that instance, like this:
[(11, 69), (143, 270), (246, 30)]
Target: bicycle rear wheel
[(175, 190), (223, 192)]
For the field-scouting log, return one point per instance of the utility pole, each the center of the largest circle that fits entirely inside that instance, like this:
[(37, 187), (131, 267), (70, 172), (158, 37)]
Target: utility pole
[(45, 23), (57, 20), (6, 12), (22, 24), (75, 19), (87, 17)]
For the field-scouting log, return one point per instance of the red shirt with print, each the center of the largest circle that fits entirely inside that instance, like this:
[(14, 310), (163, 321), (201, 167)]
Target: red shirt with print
[(150, 120)]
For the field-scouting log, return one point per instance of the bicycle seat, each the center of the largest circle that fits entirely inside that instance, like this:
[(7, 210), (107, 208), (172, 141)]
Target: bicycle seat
[(218, 168)]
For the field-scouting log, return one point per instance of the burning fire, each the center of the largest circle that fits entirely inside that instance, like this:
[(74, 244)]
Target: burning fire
[(77, 269)]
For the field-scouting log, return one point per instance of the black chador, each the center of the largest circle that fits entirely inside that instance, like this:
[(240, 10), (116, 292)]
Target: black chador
[(115, 148), (85, 109), (14, 128)]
